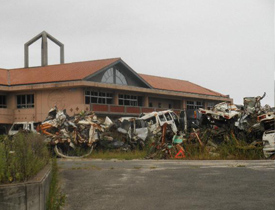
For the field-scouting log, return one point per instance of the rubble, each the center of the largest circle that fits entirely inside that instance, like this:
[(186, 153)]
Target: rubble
[(248, 127)]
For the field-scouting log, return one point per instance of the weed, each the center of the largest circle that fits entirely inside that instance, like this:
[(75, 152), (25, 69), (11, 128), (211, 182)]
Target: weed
[(118, 155), (56, 198), (22, 157)]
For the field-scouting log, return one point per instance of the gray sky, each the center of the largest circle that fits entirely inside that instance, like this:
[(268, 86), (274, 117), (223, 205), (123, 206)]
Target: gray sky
[(223, 45)]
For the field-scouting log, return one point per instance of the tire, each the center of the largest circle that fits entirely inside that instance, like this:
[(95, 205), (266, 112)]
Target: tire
[(67, 151)]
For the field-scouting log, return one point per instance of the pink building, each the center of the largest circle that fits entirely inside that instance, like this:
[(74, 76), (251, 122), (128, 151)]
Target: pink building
[(108, 87)]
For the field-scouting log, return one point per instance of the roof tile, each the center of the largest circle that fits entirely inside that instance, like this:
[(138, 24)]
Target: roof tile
[(57, 73), (177, 85)]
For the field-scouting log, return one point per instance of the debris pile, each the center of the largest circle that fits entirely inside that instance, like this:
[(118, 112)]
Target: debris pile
[(77, 136), (247, 127)]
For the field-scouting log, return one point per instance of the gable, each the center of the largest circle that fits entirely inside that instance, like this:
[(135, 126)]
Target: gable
[(118, 73)]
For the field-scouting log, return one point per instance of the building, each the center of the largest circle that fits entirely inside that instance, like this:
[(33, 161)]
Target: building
[(108, 87)]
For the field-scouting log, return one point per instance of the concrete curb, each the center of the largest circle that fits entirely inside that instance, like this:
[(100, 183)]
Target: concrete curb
[(31, 195)]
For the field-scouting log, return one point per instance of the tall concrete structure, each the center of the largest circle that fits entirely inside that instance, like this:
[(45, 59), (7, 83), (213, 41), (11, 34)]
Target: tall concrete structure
[(44, 48)]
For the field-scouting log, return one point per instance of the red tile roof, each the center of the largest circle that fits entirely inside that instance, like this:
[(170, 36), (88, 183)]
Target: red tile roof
[(177, 85), (3, 77), (80, 70), (57, 73)]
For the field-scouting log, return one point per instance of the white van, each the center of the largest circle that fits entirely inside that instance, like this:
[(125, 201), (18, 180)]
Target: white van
[(17, 126), (157, 119), (267, 120)]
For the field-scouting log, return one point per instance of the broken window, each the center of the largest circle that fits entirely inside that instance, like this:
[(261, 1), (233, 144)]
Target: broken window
[(174, 115), (25, 101), (17, 127), (194, 104), (168, 117), (151, 120), (3, 101), (94, 97), (162, 118), (129, 100)]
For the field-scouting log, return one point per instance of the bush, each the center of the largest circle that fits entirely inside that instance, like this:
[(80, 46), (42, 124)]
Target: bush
[(22, 157)]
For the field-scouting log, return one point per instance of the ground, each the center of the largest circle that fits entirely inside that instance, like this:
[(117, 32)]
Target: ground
[(166, 184)]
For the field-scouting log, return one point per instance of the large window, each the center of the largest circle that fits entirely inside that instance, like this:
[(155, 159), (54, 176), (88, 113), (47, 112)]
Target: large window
[(25, 101), (114, 76), (96, 97), (3, 101), (129, 100), (194, 104)]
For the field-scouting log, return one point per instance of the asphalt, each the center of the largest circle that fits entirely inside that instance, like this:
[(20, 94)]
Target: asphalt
[(153, 184)]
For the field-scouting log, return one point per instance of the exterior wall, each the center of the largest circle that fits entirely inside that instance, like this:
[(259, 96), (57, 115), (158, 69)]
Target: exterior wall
[(165, 102), (72, 98)]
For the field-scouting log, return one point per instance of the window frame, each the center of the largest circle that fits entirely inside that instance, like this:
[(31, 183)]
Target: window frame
[(194, 104), (98, 97), (26, 101), (3, 101), (129, 100)]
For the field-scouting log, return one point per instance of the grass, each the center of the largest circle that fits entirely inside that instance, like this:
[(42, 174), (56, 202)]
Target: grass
[(118, 155), (225, 151), (56, 199)]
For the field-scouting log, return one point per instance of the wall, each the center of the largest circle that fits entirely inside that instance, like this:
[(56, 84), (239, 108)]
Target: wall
[(71, 99), (31, 195)]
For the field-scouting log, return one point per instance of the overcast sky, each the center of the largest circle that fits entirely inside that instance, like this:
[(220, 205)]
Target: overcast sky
[(223, 45)]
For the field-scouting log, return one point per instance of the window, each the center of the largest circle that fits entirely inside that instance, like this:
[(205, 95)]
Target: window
[(210, 105), (170, 106), (162, 118), (3, 101), (151, 120), (94, 97), (159, 105), (129, 100), (194, 104), (25, 101), (120, 78), (114, 76), (150, 104), (168, 117), (175, 117), (108, 76)]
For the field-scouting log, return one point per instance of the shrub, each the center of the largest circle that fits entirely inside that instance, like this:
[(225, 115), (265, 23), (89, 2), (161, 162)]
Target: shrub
[(22, 157)]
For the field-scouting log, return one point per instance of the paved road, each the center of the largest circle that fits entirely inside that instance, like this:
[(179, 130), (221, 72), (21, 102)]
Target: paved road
[(150, 184)]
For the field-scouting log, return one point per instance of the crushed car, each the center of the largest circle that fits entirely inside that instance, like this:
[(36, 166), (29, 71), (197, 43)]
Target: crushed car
[(267, 121), (156, 120)]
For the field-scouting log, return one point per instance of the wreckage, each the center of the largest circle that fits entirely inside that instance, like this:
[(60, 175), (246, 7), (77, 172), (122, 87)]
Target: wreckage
[(77, 136), (267, 121), (66, 134), (250, 122), (165, 132)]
